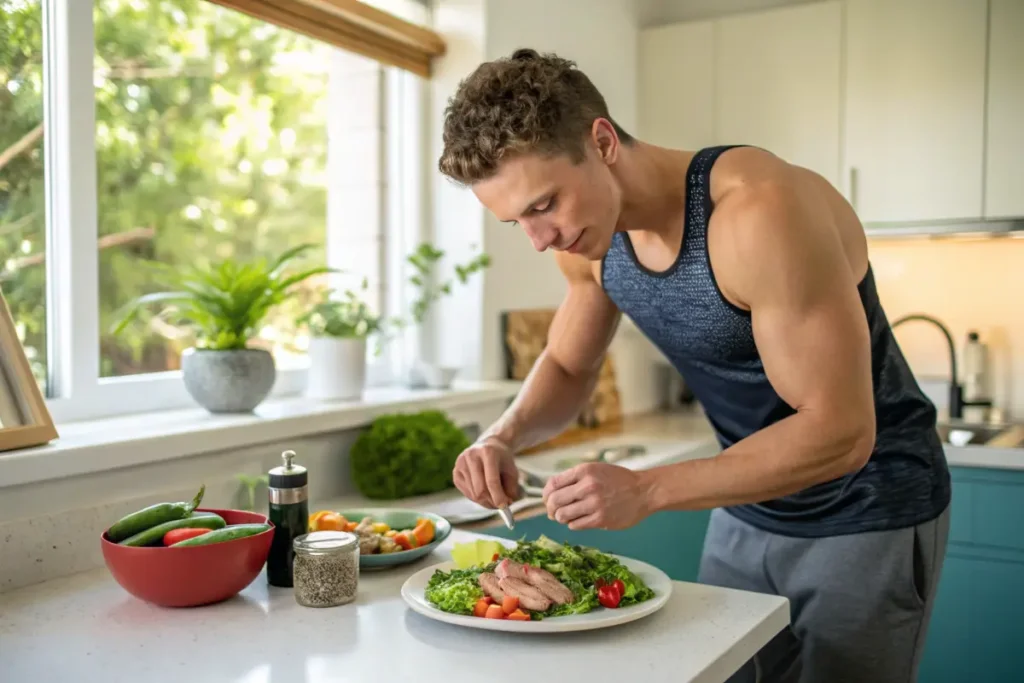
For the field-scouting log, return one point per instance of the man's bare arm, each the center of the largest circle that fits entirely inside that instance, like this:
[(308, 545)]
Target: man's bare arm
[(812, 335), (564, 374)]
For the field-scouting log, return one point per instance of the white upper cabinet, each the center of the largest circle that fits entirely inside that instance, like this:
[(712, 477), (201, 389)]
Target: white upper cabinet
[(915, 108), (676, 86), (1004, 170), (778, 83)]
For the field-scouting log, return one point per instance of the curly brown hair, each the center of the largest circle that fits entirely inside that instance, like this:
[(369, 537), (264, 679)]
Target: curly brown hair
[(524, 103)]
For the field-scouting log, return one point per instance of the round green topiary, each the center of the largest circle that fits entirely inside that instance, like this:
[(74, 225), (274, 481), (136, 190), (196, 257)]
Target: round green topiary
[(405, 454)]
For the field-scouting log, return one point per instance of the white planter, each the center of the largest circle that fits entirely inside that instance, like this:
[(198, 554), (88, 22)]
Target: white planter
[(337, 368)]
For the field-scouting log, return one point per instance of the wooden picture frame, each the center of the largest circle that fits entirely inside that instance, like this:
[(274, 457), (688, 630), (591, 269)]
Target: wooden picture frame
[(25, 420)]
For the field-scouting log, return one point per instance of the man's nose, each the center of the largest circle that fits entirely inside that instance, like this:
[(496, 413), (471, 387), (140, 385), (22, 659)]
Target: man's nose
[(541, 236)]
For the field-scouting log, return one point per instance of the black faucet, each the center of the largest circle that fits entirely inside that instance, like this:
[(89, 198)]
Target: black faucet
[(956, 392)]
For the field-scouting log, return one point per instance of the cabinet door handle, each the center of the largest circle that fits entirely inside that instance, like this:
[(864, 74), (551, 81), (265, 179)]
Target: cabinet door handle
[(853, 187)]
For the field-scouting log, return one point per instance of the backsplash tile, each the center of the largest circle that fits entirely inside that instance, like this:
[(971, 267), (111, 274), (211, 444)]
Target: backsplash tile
[(968, 284)]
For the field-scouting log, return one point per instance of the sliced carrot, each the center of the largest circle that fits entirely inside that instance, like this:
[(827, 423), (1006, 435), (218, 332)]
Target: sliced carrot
[(406, 541), (424, 531), (510, 604), (480, 608), (519, 615), (494, 612)]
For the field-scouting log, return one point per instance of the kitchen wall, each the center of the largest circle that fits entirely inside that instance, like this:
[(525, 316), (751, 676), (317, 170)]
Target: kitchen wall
[(969, 284), (602, 38)]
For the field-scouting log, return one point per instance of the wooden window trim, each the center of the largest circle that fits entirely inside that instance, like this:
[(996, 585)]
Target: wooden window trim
[(351, 25)]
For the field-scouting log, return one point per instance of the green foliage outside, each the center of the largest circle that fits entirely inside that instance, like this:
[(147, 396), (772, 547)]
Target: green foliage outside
[(210, 145)]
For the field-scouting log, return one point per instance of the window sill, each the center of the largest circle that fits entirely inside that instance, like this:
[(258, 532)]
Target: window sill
[(99, 445)]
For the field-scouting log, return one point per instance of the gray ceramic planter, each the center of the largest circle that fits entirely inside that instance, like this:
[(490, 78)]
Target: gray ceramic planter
[(228, 381)]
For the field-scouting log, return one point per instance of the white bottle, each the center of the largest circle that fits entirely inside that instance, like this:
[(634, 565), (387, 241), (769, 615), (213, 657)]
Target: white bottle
[(975, 378)]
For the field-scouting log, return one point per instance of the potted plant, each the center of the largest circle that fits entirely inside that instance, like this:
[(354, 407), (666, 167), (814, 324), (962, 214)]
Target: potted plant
[(224, 306), (424, 260), (339, 328)]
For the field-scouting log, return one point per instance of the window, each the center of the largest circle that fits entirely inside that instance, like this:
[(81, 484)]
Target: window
[(179, 131), (22, 178), (211, 143)]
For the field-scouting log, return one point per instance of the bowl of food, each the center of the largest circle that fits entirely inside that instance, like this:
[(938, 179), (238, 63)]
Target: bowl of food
[(180, 555), (388, 537)]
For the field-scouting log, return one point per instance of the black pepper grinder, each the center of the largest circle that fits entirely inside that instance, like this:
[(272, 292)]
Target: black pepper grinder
[(289, 511)]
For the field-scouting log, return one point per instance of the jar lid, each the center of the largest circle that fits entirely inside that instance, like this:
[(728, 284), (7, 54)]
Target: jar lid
[(289, 475), (325, 541)]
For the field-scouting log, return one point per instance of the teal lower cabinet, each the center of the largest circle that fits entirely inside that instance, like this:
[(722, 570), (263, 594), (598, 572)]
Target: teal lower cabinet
[(977, 628), (671, 541)]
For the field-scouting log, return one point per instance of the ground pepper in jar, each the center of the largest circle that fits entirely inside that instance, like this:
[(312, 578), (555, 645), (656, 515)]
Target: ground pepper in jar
[(325, 569)]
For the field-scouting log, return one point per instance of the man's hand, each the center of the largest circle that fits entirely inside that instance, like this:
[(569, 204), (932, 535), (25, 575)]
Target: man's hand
[(596, 496), (486, 473)]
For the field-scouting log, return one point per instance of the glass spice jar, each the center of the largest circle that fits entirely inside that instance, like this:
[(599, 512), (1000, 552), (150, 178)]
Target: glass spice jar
[(325, 569)]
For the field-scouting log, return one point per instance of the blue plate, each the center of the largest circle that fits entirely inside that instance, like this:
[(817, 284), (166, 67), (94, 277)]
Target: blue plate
[(398, 519)]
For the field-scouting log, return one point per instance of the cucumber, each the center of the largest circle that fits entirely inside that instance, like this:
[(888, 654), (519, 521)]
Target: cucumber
[(155, 534), (151, 516), (228, 533)]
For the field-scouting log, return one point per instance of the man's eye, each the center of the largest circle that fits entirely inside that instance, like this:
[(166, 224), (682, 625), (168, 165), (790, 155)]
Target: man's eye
[(545, 207)]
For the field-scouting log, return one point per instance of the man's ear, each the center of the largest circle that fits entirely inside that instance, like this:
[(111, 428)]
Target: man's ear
[(605, 140)]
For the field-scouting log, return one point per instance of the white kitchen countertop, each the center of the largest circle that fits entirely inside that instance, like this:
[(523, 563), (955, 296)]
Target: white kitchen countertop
[(986, 457), (86, 628)]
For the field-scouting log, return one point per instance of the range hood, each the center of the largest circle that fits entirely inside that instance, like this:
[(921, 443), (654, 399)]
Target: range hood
[(1004, 227)]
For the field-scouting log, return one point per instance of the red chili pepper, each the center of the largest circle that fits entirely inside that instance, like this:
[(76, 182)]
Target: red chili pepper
[(608, 596), (495, 558), (177, 535)]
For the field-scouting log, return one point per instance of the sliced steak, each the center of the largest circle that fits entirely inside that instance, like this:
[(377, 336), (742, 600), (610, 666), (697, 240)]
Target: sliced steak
[(489, 582), (507, 569), (550, 586), (529, 596), (541, 579)]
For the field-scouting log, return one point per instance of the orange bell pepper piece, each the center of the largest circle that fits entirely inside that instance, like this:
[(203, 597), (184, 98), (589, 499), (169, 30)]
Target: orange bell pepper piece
[(406, 541), (327, 520), (424, 531)]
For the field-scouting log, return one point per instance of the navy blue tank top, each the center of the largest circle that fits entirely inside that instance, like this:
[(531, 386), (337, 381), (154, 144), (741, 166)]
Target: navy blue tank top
[(711, 343)]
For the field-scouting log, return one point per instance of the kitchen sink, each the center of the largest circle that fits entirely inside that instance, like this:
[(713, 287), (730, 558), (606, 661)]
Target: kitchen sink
[(956, 433)]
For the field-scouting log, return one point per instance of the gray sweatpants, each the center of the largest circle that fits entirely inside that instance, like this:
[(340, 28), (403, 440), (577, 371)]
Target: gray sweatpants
[(859, 604)]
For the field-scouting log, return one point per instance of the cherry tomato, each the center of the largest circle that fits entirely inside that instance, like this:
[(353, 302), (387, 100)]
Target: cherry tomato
[(608, 596), (619, 587)]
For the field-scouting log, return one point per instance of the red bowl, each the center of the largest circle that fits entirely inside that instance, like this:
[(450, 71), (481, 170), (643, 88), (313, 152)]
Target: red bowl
[(191, 576)]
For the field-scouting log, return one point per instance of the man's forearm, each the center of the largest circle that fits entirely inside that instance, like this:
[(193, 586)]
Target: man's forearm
[(789, 456), (550, 399)]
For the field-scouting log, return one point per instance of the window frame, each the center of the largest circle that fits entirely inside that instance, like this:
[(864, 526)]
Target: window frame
[(75, 390)]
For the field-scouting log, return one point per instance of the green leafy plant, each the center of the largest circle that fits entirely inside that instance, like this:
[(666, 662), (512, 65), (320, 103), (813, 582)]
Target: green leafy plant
[(406, 454), (424, 260), (224, 304), (250, 483), (347, 317)]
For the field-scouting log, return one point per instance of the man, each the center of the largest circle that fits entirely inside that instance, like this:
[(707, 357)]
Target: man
[(751, 275)]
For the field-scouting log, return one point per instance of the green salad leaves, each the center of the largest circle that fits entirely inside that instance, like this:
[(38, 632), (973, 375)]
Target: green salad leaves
[(580, 568)]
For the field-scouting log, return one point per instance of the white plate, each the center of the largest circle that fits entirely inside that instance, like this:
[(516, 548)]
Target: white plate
[(415, 586)]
